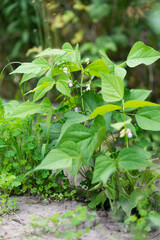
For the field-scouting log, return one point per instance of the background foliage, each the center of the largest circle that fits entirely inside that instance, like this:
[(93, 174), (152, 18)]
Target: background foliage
[(112, 26)]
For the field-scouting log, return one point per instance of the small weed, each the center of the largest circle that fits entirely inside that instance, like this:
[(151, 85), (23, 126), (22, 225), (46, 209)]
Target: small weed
[(70, 225)]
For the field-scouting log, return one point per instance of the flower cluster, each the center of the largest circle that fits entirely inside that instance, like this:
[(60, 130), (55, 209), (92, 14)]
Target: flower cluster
[(126, 131), (65, 70), (70, 84), (88, 87)]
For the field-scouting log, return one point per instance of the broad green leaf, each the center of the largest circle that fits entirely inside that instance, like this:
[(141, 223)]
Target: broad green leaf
[(50, 52), (28, 76), (120, 125), (96, 67), (112, 88), (99, 127), (133, 158), (43, 86), (26, 109), (55, 159), (35, 67), (128, 203), (62, 84), (45, 103), (104, 109), (72, 149), (83, 136), (136, 94), (104, 168), (154, 217), (100, 198), (41, 62), (119, 71), (148, 118), (10, 107), (70, 56), (67, 46), (72, 118), (141, 54), (138, 103), (92, 101), (27, 68), (113, 69)]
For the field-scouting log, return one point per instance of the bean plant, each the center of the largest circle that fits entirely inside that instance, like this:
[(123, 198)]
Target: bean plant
[(97, 121)]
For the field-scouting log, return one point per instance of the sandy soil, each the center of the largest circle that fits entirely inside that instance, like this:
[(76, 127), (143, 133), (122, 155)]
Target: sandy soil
[(15, 225)]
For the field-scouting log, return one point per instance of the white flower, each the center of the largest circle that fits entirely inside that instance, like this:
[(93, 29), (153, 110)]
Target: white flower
[(128, 132), (87, 61), (65, 70), (88, 87), (76, 109), (122, 133), (70, 84)]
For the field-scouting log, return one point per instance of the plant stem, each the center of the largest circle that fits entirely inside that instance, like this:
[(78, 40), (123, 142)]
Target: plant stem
[(125, 127), (58, 117), (82, 89)]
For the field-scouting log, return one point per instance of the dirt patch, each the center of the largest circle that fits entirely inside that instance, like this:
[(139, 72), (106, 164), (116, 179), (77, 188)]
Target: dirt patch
[(15, 225)]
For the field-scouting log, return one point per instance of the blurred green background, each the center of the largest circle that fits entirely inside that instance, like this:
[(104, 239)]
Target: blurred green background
[(29, 26)]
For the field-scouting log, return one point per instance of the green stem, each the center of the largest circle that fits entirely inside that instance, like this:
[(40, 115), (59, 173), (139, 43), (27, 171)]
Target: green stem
[(58, 117), (116, 187), (109, 146), (87, 166), (125, 126), (122, 64), (82, 78)]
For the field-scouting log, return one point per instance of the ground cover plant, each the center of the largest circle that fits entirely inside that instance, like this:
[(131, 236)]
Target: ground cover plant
[(70, 225), (93, 132)]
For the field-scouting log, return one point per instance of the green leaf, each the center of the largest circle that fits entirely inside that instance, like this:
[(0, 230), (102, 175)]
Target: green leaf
[(113, 69), (67, 46), (71, 148), (26, 109), (120, 125), (62, 84), (84, 137), (104, 109), (138, 103), (136, 94), (154, 217), (43, 86), (41, 62), (112, 88), (104, 168), (141, 54), (148, 118), (50, 52), (72, 118), (27, 68), (55, 159), (131, 202), (133, 158), (96, 67), (92, 101), (71, 57), (35, 67), (100, 198), (99, 127)]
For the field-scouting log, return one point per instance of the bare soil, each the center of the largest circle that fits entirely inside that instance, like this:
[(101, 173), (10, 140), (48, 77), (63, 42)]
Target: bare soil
[(15, 225)]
